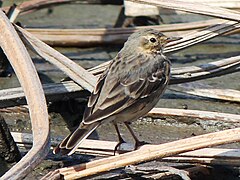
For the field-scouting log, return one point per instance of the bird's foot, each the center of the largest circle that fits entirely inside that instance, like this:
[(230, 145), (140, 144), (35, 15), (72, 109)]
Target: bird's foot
[(118, 146), (140, 143)]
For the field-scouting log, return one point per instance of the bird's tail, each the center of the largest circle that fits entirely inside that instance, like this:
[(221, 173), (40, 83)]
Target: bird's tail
[(73, 140)]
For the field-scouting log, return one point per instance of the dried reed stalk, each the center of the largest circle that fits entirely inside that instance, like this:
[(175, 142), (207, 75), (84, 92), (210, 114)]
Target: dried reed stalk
[(230, 64), (210, 156), (39, 114), (147, 153), (196, 8), (196, 37), (105, 36), (22, 63), (13, 13), (205, 160), (73, 70), (54, 92), (107, 148), (192, 73), (207, 91), (33, 5), (12, 96), (231, 4), (196, 114)]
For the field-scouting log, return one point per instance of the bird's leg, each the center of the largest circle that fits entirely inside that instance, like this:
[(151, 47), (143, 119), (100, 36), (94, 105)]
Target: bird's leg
[(120, 139), (137, 142)]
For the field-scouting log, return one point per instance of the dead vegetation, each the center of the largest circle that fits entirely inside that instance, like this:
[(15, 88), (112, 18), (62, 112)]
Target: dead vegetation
[(14, 41)]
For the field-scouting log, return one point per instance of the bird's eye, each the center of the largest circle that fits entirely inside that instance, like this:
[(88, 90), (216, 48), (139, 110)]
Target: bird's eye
[(153, 40)]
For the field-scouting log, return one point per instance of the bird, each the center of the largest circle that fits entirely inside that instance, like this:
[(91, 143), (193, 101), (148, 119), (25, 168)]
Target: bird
[(128, 89)]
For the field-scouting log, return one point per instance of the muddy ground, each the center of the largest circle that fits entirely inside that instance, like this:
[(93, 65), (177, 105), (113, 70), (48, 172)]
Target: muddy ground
[(67, 115)]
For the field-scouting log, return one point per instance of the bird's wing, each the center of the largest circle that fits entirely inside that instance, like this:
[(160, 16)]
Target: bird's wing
[(95, 94), (115, 92)]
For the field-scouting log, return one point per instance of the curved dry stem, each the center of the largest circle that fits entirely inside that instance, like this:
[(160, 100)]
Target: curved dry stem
[(27, 75)]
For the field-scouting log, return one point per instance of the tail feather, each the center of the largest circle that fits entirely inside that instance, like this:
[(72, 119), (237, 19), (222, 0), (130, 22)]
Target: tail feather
[(73, 140), (61, 146)]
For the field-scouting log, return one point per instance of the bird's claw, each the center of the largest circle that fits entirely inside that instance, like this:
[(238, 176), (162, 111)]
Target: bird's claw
[(118, 145), (140, 143)]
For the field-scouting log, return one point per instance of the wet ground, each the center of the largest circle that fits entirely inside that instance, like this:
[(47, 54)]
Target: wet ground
[(150, 130)]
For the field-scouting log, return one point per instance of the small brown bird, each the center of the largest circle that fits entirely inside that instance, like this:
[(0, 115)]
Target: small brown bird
[(128, 89)]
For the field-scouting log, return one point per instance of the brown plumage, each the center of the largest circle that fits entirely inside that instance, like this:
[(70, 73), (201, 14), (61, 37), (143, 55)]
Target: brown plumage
[(128, 89)]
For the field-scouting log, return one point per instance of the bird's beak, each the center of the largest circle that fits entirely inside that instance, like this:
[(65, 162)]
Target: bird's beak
[(171, 39)]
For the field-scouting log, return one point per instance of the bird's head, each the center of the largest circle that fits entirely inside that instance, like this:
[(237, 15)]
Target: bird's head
[(149, 41)]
